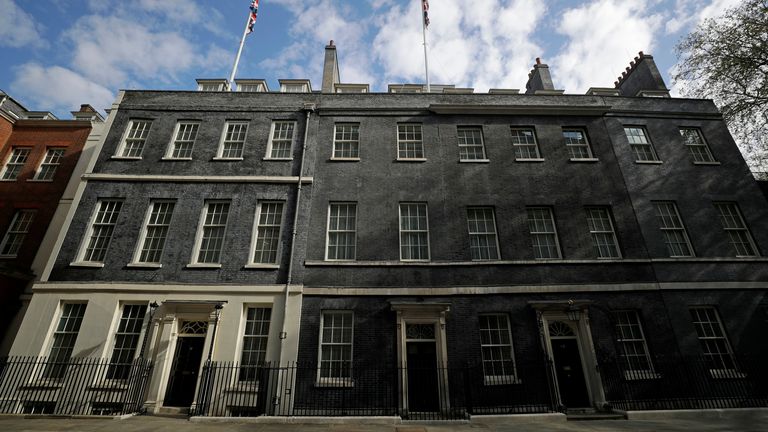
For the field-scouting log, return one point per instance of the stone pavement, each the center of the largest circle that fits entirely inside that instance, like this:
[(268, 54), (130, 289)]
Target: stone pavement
[(746, 423)]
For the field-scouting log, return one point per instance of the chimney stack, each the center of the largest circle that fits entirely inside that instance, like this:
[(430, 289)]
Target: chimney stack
[(642, 78), (330, 69), (540, 81)]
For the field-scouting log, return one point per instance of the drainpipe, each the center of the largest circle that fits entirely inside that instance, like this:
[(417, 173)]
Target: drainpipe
[(309, 108)]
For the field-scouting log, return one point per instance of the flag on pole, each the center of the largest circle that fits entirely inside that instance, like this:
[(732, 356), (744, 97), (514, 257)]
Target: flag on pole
[(254, 14), (425, 8)]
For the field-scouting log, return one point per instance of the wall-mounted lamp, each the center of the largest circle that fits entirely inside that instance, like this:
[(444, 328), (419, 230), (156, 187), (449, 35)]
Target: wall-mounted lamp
[(573, 312)]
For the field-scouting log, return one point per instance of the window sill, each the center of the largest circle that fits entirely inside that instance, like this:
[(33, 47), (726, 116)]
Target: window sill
[(39, 181), (144, 265), (584, 160), (9, 180), (335, 159), (649, 162), (115, 157), (204, 265), (411, 159), (726, 374), (8, 256), (609, 258), (416, 260), (637, 375), (262, 266), (166, 158), (222, 159), (111, 385), (474, 160), (707, 163), (277, 159), (501, 380), (86, 264), (335, 382), (530, 160)]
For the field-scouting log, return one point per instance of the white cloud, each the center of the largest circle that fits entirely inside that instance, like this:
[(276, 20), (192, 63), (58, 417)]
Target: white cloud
[(117, 50), (693, 12), (486, 45), (18, 28), (59, 89), (602, 37)]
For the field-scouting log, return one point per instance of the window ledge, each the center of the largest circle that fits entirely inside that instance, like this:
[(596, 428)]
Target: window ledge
[(474, 160), (655, 162), (8, 256), (584, 160), (257, 266), (39, 181), (9, 180), (86, 264), (335, 382), (726, 374), (115, 157), (167, 158), (637, 375), (706, 163), (530, 160), (411, 159), (501, 380), (144, 265), (277, 159), (204, 265), (223, 159), (335, 159), (112, 385)]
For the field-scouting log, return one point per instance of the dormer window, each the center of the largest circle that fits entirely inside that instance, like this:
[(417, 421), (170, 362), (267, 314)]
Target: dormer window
[(351, 88), (251, 86), (295, 86), (211, 85)]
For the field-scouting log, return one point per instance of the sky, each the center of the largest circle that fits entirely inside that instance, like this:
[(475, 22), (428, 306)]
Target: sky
[(58, 54)]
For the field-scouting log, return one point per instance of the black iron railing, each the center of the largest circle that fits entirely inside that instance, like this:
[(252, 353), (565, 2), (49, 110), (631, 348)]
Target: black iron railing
[(686, 383), (77, 386), (447, 393)]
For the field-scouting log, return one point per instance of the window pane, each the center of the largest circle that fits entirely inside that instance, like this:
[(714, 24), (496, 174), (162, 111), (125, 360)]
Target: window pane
[(496, 349), (471, 145), (524, 143), (213, 230), (342, 229), (409, 141), (49, 165), (541, 225), (714, 343), (186, 135), (483, 243), (640, 144), (17, 232), (255, 340), (601, 231), (234, 140), (158, 224), (675, 235), (270, 219), (282, 140), (631, 340), (737, 231), (126, 341), (576, 142), (336, 345), (414, 232), (696, 145), (346, 142), (16, 161), (138, 130), (101, 230), (63, 341)]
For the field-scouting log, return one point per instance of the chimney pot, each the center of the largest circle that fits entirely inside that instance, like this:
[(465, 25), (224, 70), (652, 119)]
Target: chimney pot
[(331, 43), (628, 69), (538, 60), (641, 54)]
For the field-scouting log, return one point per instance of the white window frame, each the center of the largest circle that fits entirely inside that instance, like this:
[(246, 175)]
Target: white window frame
[(742, 228), (667, 230), (175, 138), (350, 141), (341, 381), (488, 233), (294, 88), (701, 144), (120, 152), (724, 372), (516, 146), (587, 145), (612, 231), (51, 163), (401, 231), (633, 146), (270, 142), (255, 235), (535, 234), (632, 319), (194, 262), (89, 232), (328, 231), (418, 143), (251, 88), (263, 335), (142, 333), (13, 160), (506, 378), (220, 150), (50, 346), (464, 146), (13, 230), (145, 229)]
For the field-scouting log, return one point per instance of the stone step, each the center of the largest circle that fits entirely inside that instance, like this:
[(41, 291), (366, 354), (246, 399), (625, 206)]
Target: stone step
[(595, 416)]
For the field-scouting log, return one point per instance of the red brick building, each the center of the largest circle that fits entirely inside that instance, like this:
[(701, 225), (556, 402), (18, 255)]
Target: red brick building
[(38, 153)]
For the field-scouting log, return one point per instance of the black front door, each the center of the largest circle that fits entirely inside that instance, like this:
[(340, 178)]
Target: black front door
[(570, 375), (186, 363), (422, 376)]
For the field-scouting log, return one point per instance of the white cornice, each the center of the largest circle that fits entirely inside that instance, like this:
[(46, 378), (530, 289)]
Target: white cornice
[(193, 178)]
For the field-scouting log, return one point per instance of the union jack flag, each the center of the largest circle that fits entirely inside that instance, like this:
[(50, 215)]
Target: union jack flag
[(425, 8), (254, 14)]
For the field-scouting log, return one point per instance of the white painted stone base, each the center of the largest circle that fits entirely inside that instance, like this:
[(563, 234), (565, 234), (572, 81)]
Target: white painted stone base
[(695, 414)]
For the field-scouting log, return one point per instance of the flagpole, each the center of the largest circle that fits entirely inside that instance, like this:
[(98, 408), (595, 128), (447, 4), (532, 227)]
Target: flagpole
[(426, 62), (239, 51)]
